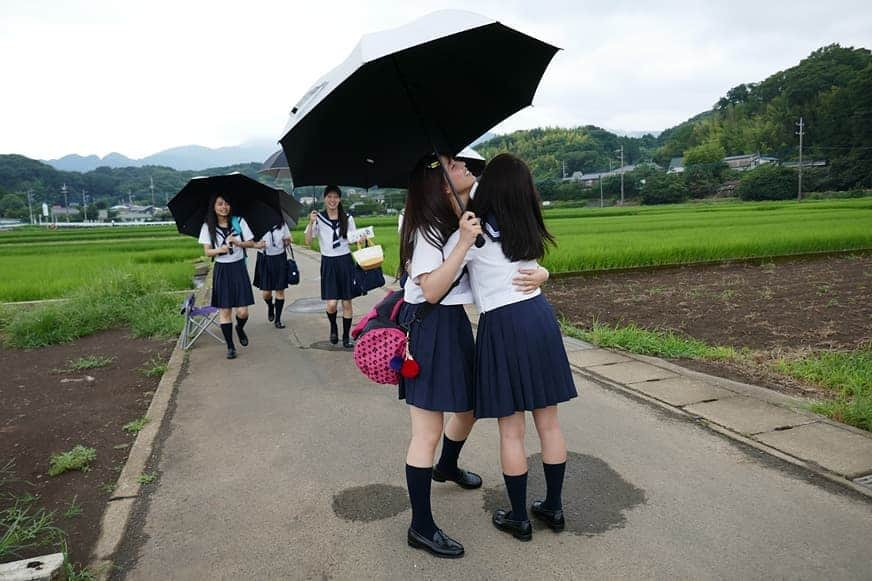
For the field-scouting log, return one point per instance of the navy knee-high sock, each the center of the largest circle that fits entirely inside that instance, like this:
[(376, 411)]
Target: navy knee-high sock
[(554, 474), (332, 318), (418, 482), (516, 486), (280, 304), (447, 464), (227, 331)]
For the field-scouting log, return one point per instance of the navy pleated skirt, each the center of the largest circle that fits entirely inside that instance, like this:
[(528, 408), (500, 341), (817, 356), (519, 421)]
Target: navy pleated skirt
[(444, 347), (520, 360), (337, 272), (271, 271), (231, 286)]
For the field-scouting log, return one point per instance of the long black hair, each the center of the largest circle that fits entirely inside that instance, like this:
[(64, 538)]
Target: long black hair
[(343, 217), (212, 217), (506, 190), (428, 209)]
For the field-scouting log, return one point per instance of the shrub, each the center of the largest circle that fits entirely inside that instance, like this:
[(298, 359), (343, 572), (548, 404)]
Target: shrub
[(768, 182)]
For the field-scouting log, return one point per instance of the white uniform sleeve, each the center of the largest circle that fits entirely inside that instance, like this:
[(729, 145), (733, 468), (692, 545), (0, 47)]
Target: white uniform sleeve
[(247, 234), (204, 235), (286, 233), (425, 258)]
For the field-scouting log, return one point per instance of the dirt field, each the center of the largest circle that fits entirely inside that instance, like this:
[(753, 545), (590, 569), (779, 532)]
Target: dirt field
[(46, 410), (768, 307)]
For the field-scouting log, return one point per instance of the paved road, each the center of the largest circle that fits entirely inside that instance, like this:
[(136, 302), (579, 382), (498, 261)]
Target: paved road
[(286, 463)]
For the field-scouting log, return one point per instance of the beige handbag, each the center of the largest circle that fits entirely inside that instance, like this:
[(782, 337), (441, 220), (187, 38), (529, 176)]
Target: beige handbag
[(368, 256)]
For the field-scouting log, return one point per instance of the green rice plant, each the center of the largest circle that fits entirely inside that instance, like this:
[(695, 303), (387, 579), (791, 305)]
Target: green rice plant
[(848, 374), (78, 458)]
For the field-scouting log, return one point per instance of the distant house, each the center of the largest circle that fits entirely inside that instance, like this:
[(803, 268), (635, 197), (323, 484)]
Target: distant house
[(134, 213), (676, 165), (590, 179), (307, 200), (748, 161)]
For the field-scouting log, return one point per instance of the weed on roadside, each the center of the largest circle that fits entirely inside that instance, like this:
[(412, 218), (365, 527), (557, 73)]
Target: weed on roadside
[(79, 458)]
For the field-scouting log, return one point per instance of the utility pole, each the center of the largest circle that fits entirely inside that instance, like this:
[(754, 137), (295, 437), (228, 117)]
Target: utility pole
[(564, 169), (84, 206), (801, 126), (601, 190), (66, 204), (29, 204), (622, 173), (152, 190)]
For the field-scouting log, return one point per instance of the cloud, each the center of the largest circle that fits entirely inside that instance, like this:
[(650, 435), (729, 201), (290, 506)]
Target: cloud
[(96, 76)]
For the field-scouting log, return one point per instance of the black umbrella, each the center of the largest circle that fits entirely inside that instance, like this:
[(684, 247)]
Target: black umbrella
[(256, 202), (276, 165), (435, 84)]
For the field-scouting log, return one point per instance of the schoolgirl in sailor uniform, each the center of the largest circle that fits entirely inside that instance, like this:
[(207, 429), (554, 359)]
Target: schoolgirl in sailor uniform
[(441, 343), (520, 360), (231, 288), (331, 226), (271, 271)]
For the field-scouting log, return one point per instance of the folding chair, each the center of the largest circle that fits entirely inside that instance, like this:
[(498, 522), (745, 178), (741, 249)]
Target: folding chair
[(198, 320)]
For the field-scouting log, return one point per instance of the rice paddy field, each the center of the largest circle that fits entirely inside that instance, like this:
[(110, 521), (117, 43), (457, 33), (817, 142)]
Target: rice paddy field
[(36, 263), (609, 238)]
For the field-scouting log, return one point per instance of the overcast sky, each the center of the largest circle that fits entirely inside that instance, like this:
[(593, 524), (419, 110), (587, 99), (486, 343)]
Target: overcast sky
[(138, 77)]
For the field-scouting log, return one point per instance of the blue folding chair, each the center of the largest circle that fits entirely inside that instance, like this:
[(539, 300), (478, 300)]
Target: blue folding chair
[(198, 320)]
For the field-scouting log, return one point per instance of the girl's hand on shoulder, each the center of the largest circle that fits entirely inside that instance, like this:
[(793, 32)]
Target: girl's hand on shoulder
[(470, 228), (528, 280)]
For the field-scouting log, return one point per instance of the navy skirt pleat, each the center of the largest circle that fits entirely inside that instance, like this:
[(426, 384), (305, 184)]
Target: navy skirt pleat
[(444, 347), (231, 286), (520, 360), (337, 274), (273, 272)]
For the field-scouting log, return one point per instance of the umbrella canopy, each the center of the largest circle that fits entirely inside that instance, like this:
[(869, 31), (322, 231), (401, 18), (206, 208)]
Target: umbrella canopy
[(256, 202), (276, 165), (439, 82)]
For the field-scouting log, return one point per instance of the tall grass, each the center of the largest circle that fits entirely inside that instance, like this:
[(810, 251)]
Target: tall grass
[(116, 298)]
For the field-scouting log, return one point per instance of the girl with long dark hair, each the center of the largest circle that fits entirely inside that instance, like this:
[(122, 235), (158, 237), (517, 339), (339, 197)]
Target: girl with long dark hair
[(337, 267), (520, 359), (223, 238)]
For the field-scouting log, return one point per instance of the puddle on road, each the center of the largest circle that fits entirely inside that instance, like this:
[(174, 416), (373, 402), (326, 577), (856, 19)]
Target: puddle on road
[(371, 502), (595, 497)]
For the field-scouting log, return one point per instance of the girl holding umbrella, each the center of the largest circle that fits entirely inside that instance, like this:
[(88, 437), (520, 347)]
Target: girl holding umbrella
[(223, 237)]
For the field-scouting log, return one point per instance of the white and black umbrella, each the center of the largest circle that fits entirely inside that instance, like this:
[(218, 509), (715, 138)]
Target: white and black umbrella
[(435, 84)]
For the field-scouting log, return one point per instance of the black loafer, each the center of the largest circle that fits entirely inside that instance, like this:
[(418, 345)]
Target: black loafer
[(520, 529), (243, 338), (347, 343), (334, 338), (441, 545), (553, 518), (279, 324), (465, 479), (231, 353)]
